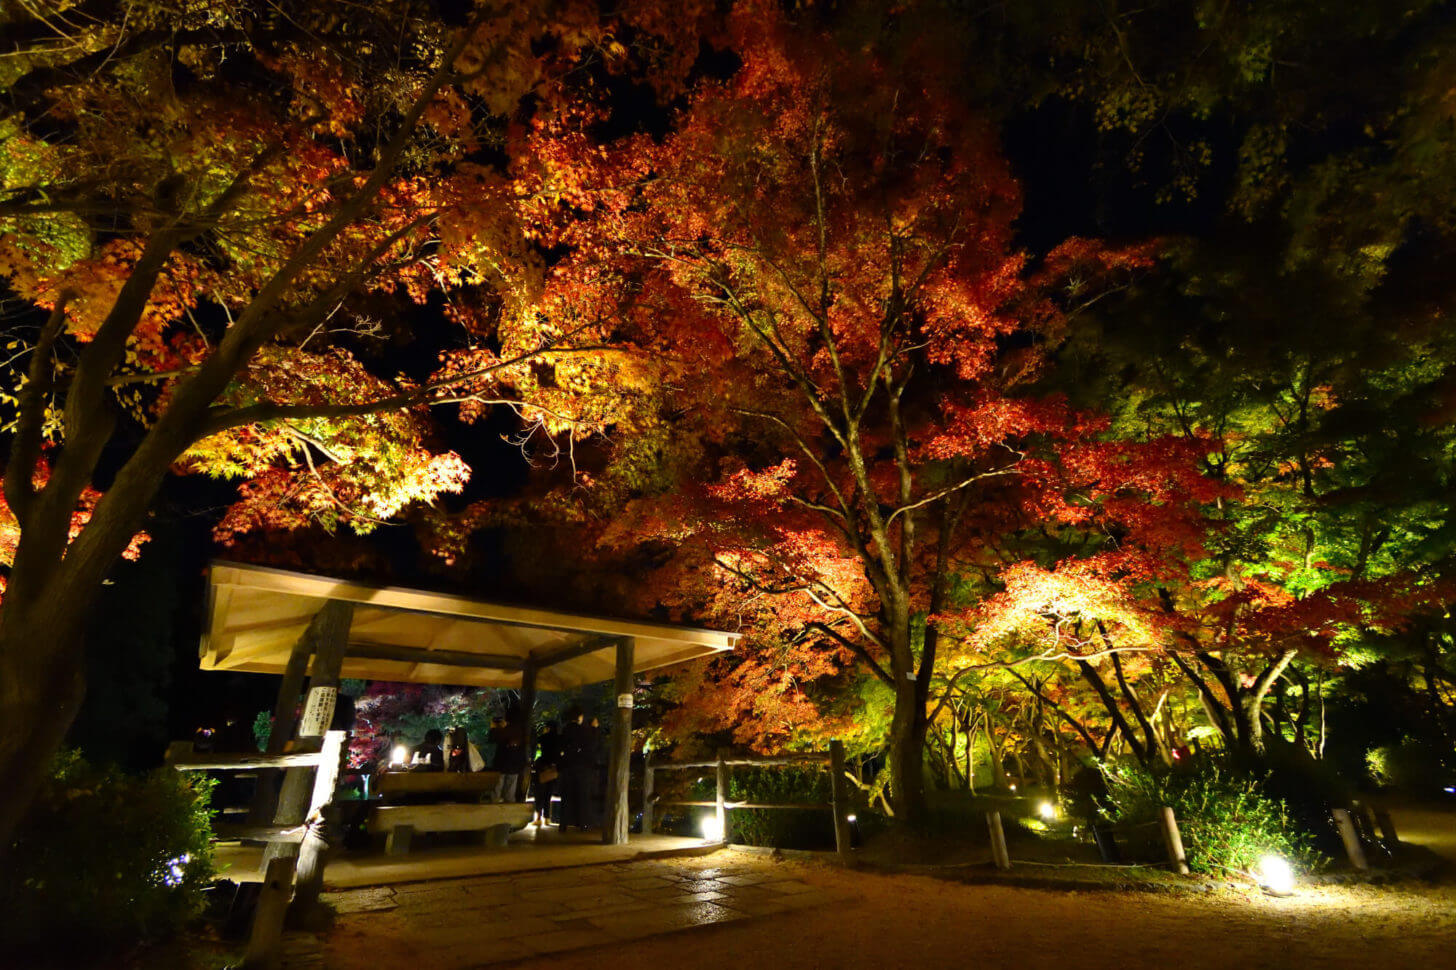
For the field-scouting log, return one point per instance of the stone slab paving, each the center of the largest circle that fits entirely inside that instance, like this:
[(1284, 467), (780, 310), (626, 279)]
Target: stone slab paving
[(463, 923)]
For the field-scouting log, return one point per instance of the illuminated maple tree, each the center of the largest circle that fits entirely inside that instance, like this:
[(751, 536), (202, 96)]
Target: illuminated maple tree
[(820, 254), (207, 210)]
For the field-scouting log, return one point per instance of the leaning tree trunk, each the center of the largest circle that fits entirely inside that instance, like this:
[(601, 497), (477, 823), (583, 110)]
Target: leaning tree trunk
[(42, 684)]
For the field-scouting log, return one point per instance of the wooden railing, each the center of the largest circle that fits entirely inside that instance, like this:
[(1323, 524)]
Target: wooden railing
[(282, 867), (833, 759)]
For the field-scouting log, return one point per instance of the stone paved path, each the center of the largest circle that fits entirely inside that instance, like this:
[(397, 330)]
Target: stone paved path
[(461, 923)]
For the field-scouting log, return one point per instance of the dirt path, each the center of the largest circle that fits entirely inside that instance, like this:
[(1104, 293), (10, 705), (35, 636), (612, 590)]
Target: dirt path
[(912, 921)]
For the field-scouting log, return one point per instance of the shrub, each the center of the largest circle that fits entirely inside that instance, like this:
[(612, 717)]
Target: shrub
[(107, 858), (1227, 820), (786, 828)]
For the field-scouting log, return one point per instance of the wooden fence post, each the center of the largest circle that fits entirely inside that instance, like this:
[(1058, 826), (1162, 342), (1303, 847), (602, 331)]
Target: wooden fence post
[(721, 808), (839, 799), (1173, 840), (1387, 829), (647, 787), (1351, 838), (273, 899), (999, 855)]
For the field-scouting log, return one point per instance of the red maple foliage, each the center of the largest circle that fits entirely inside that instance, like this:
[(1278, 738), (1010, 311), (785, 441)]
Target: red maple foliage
[(820, 263)]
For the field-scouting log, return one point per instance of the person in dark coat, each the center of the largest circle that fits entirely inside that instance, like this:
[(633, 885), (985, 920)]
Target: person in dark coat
[(577, 767), (430, 755), (546, 773), (510, 759), (597, 752)]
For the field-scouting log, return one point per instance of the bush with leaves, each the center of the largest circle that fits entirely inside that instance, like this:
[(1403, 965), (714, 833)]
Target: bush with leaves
[(1226, 818), (106, 859), (786, 828)]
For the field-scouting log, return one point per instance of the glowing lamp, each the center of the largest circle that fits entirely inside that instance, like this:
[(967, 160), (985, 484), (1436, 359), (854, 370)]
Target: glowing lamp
[(399, 755), (1276, 876), (850, 818), (1047, 811), (711, 828), (1013, 787)]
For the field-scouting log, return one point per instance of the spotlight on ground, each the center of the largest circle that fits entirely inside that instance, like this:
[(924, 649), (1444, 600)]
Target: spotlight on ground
[(711, 828), (1047, 811), (1275, 876)]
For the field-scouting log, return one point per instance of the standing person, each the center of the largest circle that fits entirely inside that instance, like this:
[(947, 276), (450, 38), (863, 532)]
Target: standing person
[(546, 771), (496, 736), (510, 760), (597, 758), (457, 751), (576, 771)]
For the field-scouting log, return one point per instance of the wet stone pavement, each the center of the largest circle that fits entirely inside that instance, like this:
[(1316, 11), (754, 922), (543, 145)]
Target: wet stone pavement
[(463, 923)]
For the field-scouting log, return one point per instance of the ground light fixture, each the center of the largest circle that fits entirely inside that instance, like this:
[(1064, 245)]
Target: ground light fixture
[(1275, 876), (1047, 810), (711, 828), (398, 755)]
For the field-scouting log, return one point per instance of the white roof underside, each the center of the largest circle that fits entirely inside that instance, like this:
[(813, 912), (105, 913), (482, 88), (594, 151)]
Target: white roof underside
[(256, 615)]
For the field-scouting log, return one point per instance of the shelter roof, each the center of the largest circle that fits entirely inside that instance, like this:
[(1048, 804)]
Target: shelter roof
[(257, 614)]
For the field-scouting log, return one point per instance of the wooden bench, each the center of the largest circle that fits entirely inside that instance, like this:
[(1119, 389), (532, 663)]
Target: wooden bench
[(401, 822)]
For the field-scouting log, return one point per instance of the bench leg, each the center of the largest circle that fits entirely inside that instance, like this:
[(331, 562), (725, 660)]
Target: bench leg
[(496, 836), (397, 842)]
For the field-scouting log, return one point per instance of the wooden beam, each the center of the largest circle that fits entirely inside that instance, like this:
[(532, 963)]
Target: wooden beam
[(244, 761), (733, 806), (450, 658), (224, 832), (618, 821), (556, 655), (808, 757)]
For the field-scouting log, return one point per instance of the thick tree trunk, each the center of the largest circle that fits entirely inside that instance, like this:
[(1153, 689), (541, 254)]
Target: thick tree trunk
[(42, 684), (907, 754)]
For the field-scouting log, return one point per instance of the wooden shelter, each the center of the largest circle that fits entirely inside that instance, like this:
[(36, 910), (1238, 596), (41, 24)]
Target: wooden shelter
[(257, 615), (295, 624)]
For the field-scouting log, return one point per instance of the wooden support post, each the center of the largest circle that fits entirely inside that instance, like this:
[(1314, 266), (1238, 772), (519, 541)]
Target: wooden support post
[(329, 632), (839, 800), (647, 787), (267, 930), (1365, 826), (1387, 829), (619, 764), (720, 803), (999, 855), (1173, 841), (528, 729), (1351, 838), (397, 842), (313, 849), (265, 792)]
